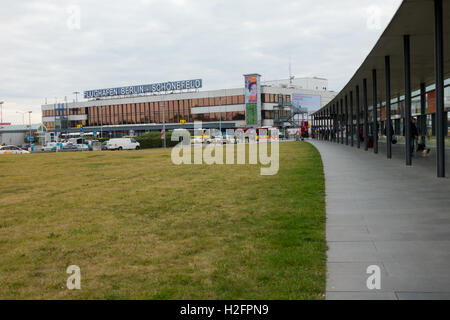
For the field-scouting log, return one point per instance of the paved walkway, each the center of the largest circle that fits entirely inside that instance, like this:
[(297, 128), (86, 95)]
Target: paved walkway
[(380, 212)]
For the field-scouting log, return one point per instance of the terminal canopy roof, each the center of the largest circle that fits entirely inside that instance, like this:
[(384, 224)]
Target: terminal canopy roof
[(416, 19)]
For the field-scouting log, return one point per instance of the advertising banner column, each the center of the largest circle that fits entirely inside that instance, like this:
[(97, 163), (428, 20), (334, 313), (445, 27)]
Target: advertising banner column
[(252, 99)]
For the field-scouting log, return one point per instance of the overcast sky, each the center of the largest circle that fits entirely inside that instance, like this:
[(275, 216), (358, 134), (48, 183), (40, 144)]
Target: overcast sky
[(51, 48)]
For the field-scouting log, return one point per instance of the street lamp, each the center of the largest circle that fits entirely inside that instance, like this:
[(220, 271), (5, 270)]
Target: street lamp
[(1, 111), (164, 121), (23, 116), (223, 106), (76, 93), (29, 117), (101, 121)]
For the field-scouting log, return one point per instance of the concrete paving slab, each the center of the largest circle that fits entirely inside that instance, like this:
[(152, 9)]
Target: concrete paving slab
[(342, 295), (382, 212), (352, 276), (423, 295), (352, 233), (351, 251)]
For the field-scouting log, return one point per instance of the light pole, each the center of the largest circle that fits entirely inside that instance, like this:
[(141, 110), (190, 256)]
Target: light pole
[(101, 121), (23, 116), (1, 111), (220, 111), (220, 121), (29, 117), (164, 121), (76, 93)]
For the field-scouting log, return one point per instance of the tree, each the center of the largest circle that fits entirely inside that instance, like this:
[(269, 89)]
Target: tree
[(35, 135)]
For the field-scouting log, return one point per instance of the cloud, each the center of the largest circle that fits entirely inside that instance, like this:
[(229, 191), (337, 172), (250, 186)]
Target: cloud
[(51, 48)]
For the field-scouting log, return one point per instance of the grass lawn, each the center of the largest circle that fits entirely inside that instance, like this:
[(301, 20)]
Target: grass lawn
[(140, 227)]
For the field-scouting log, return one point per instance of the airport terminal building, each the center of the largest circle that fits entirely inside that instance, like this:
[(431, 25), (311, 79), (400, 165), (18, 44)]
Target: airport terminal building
[(138, 109)]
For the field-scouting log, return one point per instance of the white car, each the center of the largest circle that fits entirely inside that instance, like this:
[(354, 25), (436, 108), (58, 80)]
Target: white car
[(51, 146), (82, 147), (229, 139), (123, 144), (196, 140), (12, 150)]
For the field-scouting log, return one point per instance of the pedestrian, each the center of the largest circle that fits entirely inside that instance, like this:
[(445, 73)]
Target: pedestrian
[(392, 132), (414, 134)]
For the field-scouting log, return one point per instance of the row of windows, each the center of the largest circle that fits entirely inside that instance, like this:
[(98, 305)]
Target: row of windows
[(134, 113), (198, 102), (273, 98), (398, 104), (64, 112), (170, 118), (269, 115), (151, 112), (140, 111), (176, 117), (138, 114)]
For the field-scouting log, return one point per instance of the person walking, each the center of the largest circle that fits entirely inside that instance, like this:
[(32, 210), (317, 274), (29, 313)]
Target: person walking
[(414, 135), (392, 131)]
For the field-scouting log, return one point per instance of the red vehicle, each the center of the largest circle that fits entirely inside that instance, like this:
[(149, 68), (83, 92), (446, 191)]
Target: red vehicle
[(304, 129)]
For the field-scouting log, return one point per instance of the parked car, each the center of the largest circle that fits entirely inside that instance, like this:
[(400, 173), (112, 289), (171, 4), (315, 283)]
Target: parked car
[(12, 150), (217, 140), (105, 145), (196, 140), (82, 147), (90, 144), (51, 146), (229, 139), (123, 144), (69, 146)]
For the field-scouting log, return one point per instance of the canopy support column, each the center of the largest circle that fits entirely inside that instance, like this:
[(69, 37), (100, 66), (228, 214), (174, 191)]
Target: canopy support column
[(342, 121), (407, 79), (358, 113), (439, 72), (374, 111), (388, 122), (346, 120), (423, 113), (351, 119), (366, 128)]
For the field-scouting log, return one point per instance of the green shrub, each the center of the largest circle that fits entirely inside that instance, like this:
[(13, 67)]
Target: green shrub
[(152, 139)]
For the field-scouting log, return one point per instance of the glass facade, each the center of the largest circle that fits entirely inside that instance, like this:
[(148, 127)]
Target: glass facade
[(397, 112), (152, 112)]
